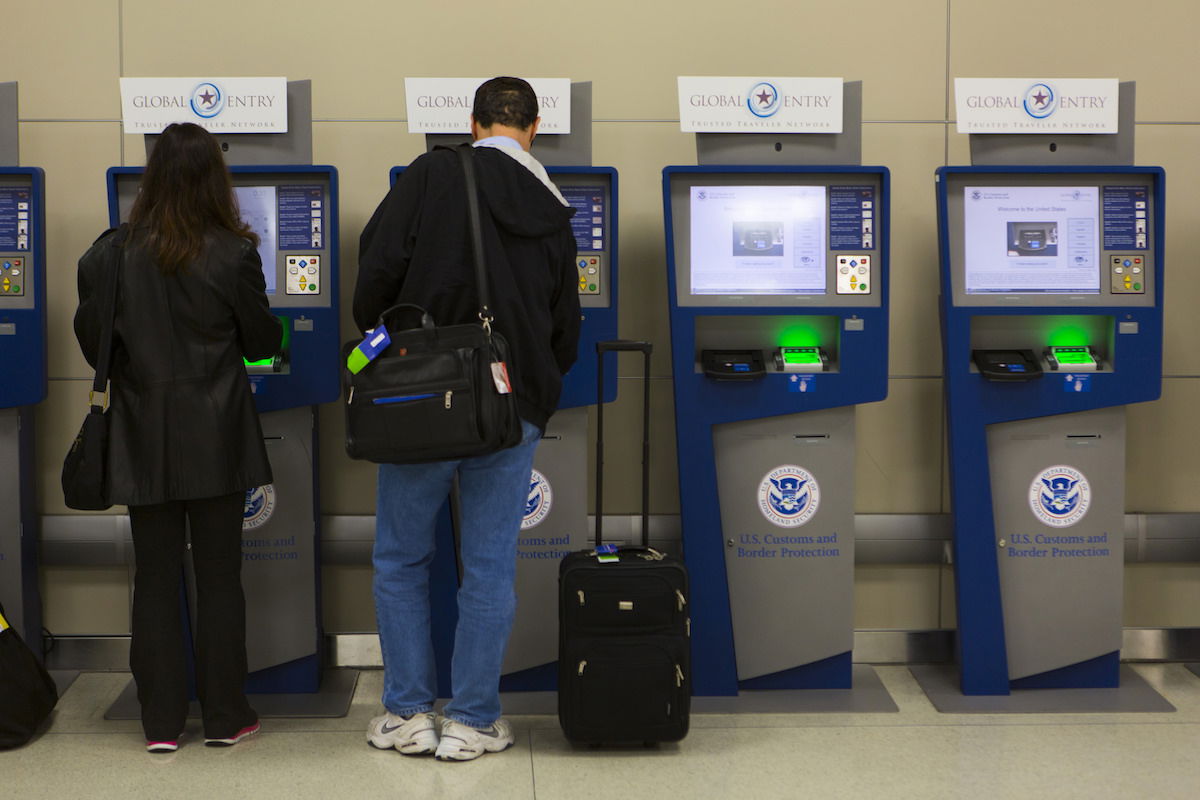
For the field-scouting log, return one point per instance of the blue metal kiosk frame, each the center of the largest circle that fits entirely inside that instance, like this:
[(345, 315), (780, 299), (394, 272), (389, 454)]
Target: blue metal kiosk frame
[(23, 352), (701, 403), (974, 403)]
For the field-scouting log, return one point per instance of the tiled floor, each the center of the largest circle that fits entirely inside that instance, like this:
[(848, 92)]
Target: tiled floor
[(916, 753)]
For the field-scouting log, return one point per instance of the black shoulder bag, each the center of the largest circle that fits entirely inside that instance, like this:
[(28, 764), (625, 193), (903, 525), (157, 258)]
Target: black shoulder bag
[(85, 469), (437, 393)]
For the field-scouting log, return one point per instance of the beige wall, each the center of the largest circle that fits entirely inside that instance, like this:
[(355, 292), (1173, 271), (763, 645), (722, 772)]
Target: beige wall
[(68, 54)]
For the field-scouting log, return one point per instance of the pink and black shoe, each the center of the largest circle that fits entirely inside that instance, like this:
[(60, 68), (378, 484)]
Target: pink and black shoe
[(162, 745), (245, 732)]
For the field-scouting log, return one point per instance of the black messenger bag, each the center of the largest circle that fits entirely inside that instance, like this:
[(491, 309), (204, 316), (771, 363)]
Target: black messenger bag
[(436, 393), (431, 396)]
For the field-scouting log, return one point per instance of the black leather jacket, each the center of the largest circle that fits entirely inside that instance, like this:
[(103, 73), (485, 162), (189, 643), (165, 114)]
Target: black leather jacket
[(183, 422)]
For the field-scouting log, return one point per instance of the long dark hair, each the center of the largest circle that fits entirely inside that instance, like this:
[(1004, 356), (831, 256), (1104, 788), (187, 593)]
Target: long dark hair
[(185, 192)]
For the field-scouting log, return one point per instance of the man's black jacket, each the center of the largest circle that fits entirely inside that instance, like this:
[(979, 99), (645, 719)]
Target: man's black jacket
[(417, 249)]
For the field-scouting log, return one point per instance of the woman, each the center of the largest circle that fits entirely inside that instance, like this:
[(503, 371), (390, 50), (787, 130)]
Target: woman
[(185, 440)]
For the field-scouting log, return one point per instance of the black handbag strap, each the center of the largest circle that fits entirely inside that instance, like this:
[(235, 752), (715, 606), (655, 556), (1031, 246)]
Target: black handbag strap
[(104, 359), (466, 154)]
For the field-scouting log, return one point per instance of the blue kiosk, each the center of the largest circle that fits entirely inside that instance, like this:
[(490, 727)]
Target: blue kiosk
[(293, 206), (777, 249), (1052, 322), (556, 517), (23, 353)]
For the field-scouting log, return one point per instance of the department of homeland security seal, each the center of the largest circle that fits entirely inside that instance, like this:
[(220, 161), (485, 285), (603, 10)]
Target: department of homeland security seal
[(1059, 496), (788, 496), (537, 505), (260, 507)]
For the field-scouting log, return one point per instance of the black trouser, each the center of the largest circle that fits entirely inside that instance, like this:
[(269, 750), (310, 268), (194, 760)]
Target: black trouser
[(157, 653)]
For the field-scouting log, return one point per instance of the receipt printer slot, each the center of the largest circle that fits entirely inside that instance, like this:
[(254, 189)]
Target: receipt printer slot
[(733, 365), (1007, 365)]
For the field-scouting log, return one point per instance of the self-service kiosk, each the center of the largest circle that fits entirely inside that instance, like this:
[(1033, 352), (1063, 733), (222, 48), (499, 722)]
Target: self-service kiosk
[(778, 287), (23, 354), (293, 207), (1052, 291), (556, 513)]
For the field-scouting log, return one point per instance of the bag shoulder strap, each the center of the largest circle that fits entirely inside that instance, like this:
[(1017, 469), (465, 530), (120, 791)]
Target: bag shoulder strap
[(117, 248), (466, 154)]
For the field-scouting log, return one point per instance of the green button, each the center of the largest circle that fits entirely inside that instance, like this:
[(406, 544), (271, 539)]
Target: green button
[(591, 287), (312, 287), (1137, 287)]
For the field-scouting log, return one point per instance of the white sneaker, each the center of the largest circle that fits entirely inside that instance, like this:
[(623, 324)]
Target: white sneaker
[(463, 743), (412, 736)]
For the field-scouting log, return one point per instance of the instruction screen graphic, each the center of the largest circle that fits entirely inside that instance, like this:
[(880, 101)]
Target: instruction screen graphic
[(1032, 239), (257, 207), (758, 240), (14, 218), (588, 223)]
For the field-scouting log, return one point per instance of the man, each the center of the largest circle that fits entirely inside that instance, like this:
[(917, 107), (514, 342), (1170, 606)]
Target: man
[(416, 249)]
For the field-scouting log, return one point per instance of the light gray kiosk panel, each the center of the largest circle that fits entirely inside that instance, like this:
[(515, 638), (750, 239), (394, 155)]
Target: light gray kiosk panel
[(1060, 583), (555, 524), (12, 573), (279, 620), (9, 130), (791, 589)]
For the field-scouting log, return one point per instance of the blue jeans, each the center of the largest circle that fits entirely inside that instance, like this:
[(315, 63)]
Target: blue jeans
[(493, 490)]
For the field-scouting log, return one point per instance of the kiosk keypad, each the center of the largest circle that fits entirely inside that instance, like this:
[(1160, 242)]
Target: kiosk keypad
[(12, 277), (1128, 274), (854, 274), (590, 271), (304, 274)]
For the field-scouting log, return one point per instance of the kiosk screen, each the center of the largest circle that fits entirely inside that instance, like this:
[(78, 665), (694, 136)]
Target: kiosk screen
[(1032, 239), (758, 240), (257, 205)]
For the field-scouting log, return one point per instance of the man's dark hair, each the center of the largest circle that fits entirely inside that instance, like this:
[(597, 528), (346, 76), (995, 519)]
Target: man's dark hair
[(507, 101)]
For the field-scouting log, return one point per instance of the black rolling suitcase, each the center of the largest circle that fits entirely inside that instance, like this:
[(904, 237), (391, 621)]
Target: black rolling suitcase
[(623, 652)]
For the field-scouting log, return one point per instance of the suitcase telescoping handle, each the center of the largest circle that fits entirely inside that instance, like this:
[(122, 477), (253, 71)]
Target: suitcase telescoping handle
[(601, 348)]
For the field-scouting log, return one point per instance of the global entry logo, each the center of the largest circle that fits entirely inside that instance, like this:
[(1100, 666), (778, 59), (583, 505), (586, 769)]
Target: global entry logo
[(763, 100), (207, 100), (788, 496), (1059, 496), (1040, 101)]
